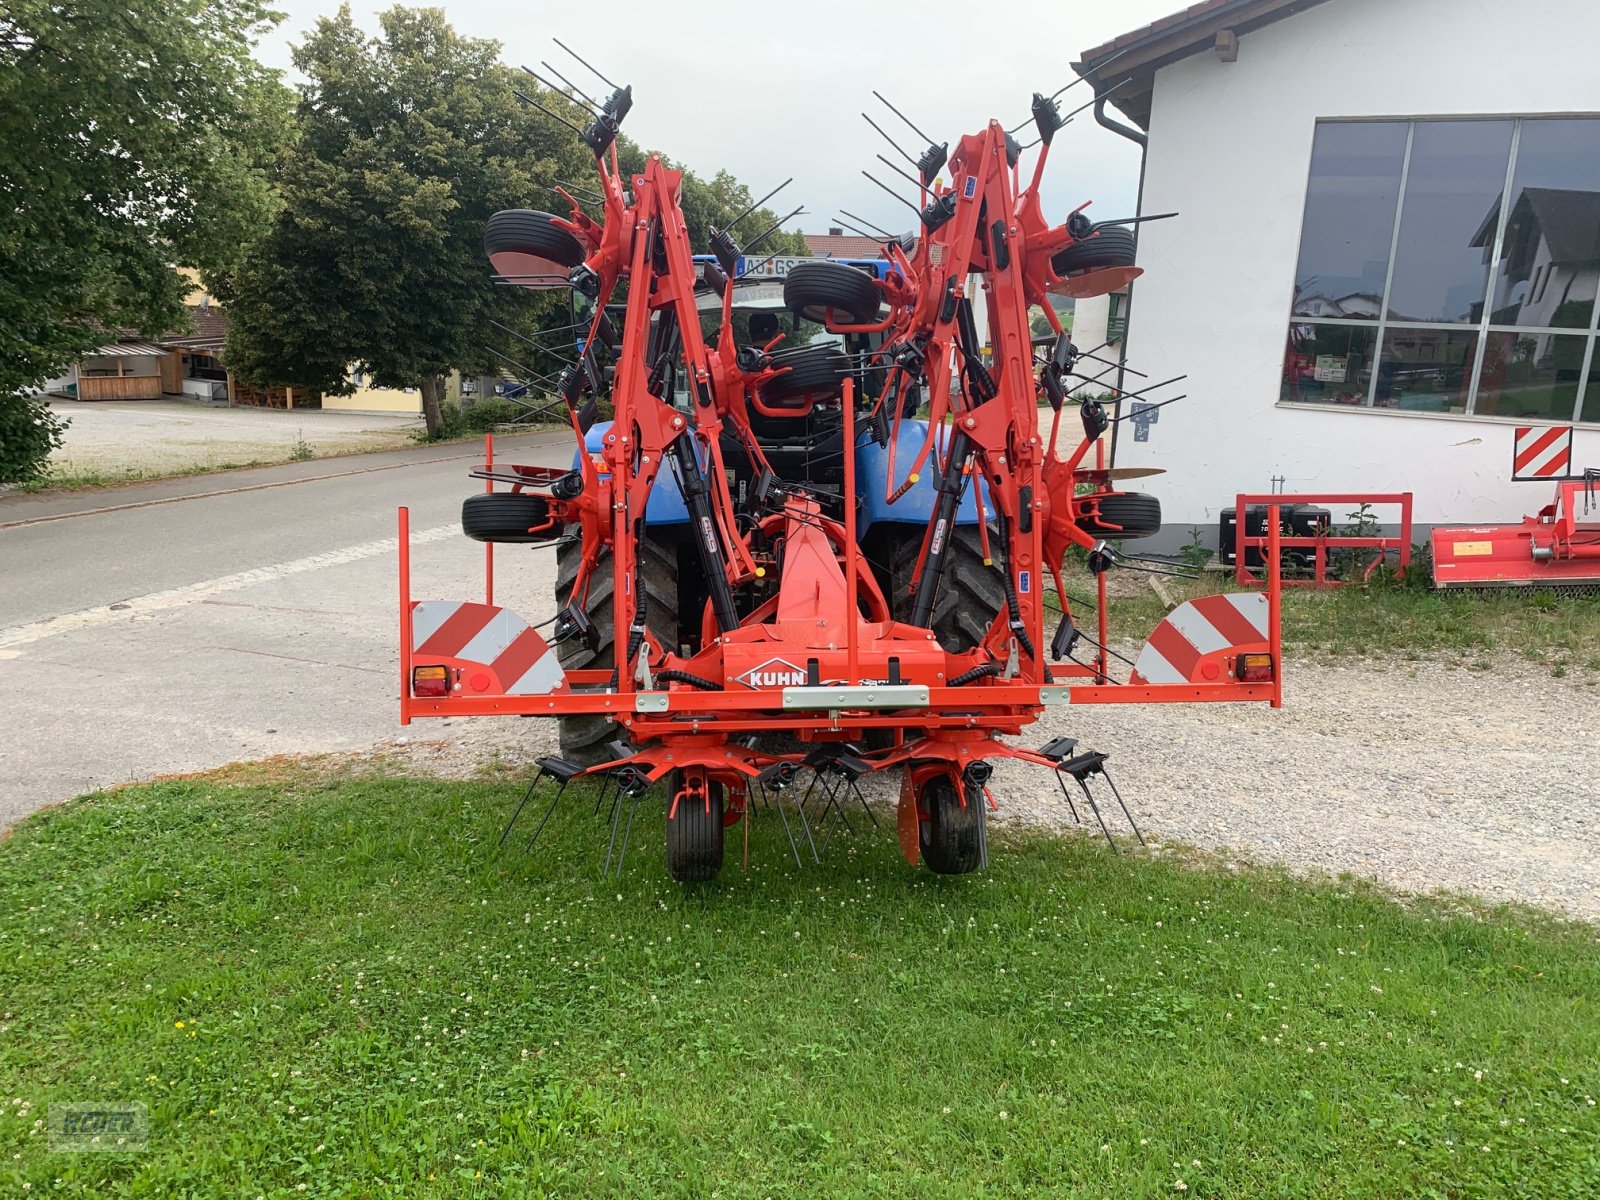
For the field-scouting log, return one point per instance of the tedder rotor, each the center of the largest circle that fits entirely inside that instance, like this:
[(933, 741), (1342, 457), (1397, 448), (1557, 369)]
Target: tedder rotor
[(817, 534)]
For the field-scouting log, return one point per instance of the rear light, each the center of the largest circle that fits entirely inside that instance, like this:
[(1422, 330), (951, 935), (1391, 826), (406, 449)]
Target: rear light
[(430, 681), (1254, 668)]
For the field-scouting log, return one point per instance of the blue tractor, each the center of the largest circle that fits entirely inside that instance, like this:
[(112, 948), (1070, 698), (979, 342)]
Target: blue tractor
[(799, 428)]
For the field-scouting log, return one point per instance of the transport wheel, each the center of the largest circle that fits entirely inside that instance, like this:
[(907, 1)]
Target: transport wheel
[(584, 738), (1119, 516), (813, 371), (524, 241), (948, 832), (507, 517), (694, 835), (810, 289), (970, 594), (1113, 247)]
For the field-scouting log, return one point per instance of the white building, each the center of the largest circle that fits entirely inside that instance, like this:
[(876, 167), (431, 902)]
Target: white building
[(1387, 252)]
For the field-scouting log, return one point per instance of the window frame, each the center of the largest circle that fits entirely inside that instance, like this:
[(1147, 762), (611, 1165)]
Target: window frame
[(1484, 326)]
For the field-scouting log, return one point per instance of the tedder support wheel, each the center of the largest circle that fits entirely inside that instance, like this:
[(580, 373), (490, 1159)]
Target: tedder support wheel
[(584, 738), (1109, 246), (812, 288), (508, 517), (970, 594), (1119, 516), (525, 242), (812, 371), (949, 833), (694, 833)]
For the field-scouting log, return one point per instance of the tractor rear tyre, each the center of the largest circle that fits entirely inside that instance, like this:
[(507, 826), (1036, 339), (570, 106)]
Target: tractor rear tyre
[(812, 371), (1120, 516), (584, 738), (970, 593), (1110, 246), (812, 288), (694, 833), (526, 242), (507, 517), (949, 833)]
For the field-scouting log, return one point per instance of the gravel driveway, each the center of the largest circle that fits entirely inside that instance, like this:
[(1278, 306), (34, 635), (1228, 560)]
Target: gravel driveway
[(1421, 776), (151, 436)]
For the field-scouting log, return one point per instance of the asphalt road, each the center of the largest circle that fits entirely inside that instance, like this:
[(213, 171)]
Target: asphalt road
[(176, 626)]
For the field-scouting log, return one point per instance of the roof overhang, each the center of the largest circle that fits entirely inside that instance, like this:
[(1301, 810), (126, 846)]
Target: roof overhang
[(129, 350), (1129, 63)]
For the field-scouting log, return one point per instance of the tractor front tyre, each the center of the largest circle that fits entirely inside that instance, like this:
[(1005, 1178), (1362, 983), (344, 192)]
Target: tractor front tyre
[(694, 832), (971, 592), (584, 738), (508, 517), (1119, 516), (950, 833)]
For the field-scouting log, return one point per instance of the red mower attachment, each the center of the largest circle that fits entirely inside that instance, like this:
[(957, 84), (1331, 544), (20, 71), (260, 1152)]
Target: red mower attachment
[(768, 545), (1558, 547)]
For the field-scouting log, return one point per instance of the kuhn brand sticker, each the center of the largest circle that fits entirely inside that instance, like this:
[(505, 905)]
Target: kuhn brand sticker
[(774, 673), (938, 538)]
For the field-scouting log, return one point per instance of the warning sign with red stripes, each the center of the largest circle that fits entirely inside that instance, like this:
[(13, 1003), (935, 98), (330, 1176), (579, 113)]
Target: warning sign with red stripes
[(496, 651), (1542, 452), (1195, 642)]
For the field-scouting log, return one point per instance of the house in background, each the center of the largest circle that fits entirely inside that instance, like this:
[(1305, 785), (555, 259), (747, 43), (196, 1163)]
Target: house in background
[(836, 243), (1388, 248)]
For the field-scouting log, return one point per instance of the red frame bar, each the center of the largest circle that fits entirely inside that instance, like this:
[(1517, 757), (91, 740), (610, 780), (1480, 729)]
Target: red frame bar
[(488, 547), (1243, 541)]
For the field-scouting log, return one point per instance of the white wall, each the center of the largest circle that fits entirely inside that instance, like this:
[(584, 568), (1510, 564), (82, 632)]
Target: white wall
[(1230, 148)]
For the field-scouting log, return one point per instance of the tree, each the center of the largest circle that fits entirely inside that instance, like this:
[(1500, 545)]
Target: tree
[(131, 135), (408, 143)]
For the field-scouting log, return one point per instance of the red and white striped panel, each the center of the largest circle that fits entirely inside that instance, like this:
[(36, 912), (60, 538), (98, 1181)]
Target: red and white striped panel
[(1542, 452), (1191, 644), (499, 653)]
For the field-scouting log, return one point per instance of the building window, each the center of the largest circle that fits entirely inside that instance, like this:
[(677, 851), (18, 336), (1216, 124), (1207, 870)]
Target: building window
[(1450, 267)]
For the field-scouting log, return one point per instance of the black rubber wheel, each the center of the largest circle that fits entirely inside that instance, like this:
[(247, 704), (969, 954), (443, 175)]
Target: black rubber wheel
[(812, 288), (584, 738), (1110, 246), (507, 517), (812, 371), (694, 834), (1119, 516), (970, 594), (951, 835), (526, 242)]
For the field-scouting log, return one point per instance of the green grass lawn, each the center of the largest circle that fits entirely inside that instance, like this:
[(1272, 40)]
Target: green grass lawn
[(337, 985)]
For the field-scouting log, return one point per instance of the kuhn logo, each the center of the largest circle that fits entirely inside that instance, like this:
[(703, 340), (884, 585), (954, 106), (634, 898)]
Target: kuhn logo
[(773, 673)]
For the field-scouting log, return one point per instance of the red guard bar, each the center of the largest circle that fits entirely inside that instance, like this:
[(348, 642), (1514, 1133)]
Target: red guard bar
[(1274, 606), (405, 616), (854, 616)]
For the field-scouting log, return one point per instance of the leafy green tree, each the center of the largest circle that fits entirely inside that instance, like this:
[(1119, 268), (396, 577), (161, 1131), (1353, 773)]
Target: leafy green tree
[(408, 143), (131, 138)]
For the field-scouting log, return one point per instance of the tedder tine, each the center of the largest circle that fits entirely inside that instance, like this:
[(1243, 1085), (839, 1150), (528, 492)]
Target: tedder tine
[(1131, 823)]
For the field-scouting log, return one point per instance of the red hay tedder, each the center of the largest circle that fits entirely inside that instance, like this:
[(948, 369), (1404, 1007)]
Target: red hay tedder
[(767, 539)]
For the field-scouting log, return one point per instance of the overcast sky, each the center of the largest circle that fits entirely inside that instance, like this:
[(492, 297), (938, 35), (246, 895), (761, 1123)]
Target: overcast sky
[(716, 89)]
